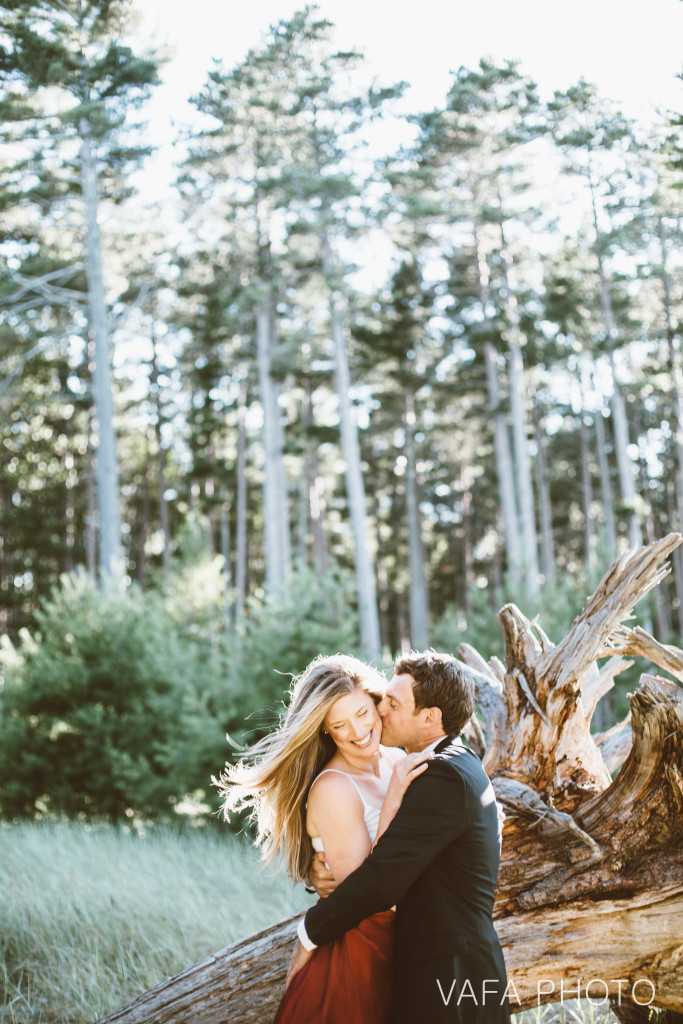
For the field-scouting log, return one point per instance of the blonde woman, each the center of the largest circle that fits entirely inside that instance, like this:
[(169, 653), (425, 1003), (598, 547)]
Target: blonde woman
[(322, 781)]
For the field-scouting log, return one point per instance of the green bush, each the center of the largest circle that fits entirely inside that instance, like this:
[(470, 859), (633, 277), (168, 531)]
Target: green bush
[(278, 641), (100, 713)]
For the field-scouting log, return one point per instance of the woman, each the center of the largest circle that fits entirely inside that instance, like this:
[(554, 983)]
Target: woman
[(322, 781)]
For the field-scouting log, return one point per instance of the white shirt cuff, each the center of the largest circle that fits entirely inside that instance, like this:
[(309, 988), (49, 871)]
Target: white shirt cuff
[(303, 937)]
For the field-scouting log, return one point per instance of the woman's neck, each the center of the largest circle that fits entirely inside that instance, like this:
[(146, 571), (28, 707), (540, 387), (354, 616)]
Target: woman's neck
[(362, 765)]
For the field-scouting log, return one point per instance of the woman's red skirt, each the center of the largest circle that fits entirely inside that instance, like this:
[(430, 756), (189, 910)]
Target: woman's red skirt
[(348, 981)]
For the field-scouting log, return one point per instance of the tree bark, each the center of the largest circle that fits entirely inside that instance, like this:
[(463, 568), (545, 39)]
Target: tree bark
[(467, 542), (355, 488), (587, 490), (525, 491), (275, 500), (161, 453), (591, 882), (606, 490), (90, 519), (674, 354), (241, 514), (544, 503), (419, 612), (109, 525), (226, 552), (621, 439), (501, 441)]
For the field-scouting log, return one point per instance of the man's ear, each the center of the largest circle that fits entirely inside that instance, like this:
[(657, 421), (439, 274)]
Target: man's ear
[(433, 717)]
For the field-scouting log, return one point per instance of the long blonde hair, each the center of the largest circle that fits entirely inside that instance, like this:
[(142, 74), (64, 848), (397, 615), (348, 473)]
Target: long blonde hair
[(275, 781)]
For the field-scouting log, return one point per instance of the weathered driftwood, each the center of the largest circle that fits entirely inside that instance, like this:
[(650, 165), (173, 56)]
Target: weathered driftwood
[(591, 883)]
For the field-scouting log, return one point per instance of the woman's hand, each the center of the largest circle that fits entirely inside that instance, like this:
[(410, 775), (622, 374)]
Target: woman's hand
[(404, 772)]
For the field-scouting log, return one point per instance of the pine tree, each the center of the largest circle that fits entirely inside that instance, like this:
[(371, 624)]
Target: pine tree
[(70, 83), (585, 129)]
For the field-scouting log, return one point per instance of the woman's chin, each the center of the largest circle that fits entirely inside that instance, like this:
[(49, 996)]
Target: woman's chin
[(371, 747)]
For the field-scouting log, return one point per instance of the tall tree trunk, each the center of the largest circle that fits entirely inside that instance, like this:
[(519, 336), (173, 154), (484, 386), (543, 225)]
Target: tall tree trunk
[(676, 371), (419, 611), (91, 517), (241, 511), (210, 506), (621, 440), (316, 503), (545, 507), (316, 500), (144, 525), (69, 508), (275, 500), (109, 525), (355, 488), (677, 558), (501, 442), (586, 489), (624, 462), (227, 558), (384, 593), (659, 599), (155, 393), (468, 546), (304, 514), (606, 491), (520, 432)]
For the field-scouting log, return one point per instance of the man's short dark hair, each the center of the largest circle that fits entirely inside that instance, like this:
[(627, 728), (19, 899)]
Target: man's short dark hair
[(441, 681)]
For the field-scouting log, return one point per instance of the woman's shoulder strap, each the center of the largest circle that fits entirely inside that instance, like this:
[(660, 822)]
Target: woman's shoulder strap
[(346, 775)]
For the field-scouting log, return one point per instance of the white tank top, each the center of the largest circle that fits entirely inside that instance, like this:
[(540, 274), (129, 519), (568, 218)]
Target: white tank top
[(370, 813)]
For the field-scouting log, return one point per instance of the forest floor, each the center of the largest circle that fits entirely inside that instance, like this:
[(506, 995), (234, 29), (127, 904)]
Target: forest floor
[(94, 915)]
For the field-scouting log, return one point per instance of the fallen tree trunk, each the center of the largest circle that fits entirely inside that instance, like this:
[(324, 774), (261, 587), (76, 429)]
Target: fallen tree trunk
[(590, 892)]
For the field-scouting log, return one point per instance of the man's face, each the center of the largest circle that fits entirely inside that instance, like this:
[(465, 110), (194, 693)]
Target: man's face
[(401, 727)]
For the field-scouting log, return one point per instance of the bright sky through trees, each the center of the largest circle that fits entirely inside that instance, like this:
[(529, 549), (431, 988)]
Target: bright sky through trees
[(630, 49)]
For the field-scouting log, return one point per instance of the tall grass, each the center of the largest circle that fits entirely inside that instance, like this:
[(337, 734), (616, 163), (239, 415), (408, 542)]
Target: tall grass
[(91, 917)]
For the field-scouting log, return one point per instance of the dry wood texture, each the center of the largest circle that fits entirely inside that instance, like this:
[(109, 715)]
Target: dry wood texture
[(591, 883)]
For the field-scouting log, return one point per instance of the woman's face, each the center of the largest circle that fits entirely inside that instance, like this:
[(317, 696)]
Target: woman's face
[(354, 725)]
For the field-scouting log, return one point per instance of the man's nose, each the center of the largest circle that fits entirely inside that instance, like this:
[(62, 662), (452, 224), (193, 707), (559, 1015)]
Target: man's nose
[(381, 708)]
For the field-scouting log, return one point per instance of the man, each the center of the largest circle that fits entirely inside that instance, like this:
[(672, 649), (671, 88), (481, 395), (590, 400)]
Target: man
[(437, 861)]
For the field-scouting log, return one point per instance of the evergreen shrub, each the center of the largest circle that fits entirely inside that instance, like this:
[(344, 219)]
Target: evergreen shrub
[(100, 714)]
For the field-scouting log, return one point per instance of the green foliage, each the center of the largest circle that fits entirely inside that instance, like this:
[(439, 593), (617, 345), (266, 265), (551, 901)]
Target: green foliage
[(281, 638), (556, 607), (100, 712), (117, 706), (92, 917)]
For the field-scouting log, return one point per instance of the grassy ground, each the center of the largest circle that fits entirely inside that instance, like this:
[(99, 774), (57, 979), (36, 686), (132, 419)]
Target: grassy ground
[(91, 917)]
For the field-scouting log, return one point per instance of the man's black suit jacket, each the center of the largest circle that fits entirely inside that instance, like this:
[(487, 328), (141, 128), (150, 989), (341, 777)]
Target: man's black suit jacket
[(438, 864)]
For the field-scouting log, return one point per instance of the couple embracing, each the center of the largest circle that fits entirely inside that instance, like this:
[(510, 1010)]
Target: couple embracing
[(407, 844)]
